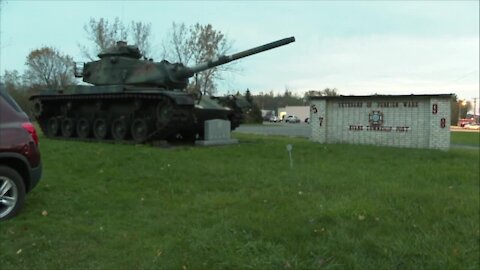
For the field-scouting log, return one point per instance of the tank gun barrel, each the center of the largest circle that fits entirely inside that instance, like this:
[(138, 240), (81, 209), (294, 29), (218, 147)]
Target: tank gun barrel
[(228, 58)]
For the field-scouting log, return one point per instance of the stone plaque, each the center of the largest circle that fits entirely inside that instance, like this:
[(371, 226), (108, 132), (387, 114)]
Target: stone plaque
[(217, 131)]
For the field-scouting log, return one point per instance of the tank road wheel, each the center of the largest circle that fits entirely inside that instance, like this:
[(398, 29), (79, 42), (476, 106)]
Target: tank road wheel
[(100, 128), (83, 128), (53, 126), (68, 127), (164, 112), (37, 108), (120, 129), (140, 130)]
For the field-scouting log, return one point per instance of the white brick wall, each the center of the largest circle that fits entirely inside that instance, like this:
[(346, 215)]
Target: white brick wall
[(440, 124), (318, 112), (408, 121)]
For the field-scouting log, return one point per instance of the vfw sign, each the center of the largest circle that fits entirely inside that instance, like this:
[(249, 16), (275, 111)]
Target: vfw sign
[(419, 121)]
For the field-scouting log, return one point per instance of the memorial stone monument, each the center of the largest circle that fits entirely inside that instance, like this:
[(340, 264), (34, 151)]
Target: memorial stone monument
[(217, 132)]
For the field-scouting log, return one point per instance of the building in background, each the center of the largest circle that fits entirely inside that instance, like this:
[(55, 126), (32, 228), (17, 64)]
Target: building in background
[(302, 112)]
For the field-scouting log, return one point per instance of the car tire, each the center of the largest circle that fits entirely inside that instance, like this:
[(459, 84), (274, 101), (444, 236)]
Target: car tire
[(12, 193)]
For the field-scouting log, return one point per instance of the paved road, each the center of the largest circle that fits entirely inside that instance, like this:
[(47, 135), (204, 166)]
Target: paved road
[(460, 129), (303, 130), (282, 129)]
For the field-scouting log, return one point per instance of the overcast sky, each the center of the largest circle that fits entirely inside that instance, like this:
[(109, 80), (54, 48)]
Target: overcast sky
[(360, 48)]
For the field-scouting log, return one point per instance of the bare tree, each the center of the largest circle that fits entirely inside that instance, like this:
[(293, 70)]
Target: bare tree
[(48, 67), (14, 83), (12, 80), (325, 92), (196, 44), (104, 34), (178, 44), (330, 92), (141, 34)]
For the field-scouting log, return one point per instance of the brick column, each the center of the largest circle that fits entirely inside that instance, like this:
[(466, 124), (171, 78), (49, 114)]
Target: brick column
[(439, 123), (318, 120)]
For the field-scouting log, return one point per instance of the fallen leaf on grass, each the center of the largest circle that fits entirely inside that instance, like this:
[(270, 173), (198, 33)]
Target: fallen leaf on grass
[(19, 251), (44, 213)]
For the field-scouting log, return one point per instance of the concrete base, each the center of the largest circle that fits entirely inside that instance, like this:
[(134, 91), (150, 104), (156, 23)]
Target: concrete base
[(216, 142)]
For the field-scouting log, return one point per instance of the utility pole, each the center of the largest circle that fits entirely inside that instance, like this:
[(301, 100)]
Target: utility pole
[(459, 112), (460, 104), (475, 109)]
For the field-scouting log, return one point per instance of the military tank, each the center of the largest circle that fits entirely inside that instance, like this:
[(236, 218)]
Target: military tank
[(135, 100)]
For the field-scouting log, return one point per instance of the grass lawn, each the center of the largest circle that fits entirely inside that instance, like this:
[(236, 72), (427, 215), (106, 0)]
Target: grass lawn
[(465, 138), (107, 206)]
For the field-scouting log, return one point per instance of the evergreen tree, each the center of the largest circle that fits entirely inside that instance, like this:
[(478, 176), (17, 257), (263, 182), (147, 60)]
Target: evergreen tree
[(254, 115)]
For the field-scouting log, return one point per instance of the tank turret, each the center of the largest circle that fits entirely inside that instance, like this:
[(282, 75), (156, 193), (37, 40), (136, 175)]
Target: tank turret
[(121, 64)]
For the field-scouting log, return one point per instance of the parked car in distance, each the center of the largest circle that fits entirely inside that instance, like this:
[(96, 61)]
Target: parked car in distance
[(274, 119), (465, 121), (20, 163), (292, 119), (472, 126)]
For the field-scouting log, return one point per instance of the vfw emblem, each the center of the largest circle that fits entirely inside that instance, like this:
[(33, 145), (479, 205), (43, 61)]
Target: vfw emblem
[(375, 118)]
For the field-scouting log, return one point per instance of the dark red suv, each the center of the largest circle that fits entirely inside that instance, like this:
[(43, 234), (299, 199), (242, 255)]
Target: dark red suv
[(20, 164)]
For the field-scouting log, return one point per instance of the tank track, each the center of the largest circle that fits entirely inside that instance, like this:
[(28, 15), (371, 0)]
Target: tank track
[(116, 117)]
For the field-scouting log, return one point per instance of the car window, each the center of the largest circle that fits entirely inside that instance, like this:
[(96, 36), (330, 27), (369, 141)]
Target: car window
[(9, 99)]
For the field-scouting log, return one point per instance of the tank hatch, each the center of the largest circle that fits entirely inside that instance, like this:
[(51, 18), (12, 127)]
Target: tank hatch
[(121, 49)]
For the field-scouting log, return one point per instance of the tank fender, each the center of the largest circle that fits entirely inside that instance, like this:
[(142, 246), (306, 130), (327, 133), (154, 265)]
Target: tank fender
[(180, 98)]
